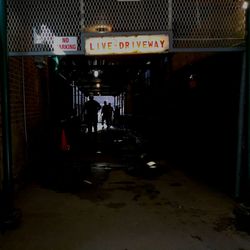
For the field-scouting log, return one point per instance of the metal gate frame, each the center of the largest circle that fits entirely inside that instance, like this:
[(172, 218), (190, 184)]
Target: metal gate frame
[(244, 40)]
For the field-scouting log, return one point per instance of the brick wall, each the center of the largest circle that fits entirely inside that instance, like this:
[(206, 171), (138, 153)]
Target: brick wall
[(27, 110), (180, 60), (17, 114)]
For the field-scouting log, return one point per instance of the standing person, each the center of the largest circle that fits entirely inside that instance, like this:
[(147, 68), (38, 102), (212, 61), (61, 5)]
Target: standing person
[(105, 113), (110, 115), (90, 109)]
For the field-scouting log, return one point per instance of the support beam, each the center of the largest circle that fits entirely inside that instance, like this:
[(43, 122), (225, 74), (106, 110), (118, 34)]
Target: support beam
[(248, 96), (6, 135), (8, 215), (241, 127)]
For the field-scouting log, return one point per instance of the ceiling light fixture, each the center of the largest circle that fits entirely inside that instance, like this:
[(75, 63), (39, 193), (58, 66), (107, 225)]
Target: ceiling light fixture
[(96, 73), (99, 28)]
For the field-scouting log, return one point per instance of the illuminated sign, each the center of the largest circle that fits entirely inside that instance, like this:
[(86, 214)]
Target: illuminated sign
[(137, 44), (65, 43)]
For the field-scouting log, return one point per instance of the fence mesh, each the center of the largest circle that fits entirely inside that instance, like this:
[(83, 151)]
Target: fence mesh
[(194, 24)]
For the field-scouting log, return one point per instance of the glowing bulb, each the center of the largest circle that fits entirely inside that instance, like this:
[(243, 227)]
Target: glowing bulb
[(245, 5), (96, 73)]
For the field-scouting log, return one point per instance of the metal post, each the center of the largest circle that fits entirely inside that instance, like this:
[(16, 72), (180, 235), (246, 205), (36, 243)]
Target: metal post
[(6, 135), (9, 216), (74, 95), (240, 136), (170, 15), (78, 101), (248, 93)]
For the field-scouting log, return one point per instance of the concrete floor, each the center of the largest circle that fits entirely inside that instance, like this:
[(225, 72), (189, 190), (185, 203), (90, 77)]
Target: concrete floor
[(120, 211)]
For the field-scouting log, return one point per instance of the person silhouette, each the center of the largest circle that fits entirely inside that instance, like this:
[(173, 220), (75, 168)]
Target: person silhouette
[(105, 111), (109, 115), (91, 109)]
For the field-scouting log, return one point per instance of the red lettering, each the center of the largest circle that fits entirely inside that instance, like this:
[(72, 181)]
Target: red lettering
[(162, 43), (150, 44), (65, 39), (121, 45), (67, 47), (91, 46), (103, 45), (126, 45)]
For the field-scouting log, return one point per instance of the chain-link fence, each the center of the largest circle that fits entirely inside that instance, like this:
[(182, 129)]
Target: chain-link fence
[(195, 24)]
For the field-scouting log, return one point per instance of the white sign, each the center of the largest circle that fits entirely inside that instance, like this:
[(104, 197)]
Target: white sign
[(126, 44), (68, 43)]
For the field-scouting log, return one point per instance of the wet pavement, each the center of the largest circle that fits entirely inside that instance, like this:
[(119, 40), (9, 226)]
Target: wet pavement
[(117, 196)]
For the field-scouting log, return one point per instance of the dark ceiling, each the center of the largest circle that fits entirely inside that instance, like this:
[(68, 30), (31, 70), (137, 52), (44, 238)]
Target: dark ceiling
[(114, 71)]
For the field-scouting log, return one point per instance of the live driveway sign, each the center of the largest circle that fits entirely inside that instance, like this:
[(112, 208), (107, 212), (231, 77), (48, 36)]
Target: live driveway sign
[(134, 44)]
